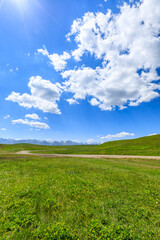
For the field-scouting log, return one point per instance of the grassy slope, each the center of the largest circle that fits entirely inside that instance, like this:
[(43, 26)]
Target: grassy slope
[(142, 146), (46, 149), (73, 198)]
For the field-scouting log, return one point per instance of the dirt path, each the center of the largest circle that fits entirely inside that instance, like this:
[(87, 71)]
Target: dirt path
[(88, 156)]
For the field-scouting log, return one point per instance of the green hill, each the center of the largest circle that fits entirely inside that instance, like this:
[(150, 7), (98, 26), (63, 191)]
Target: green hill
[(141, 146), (145, 146)]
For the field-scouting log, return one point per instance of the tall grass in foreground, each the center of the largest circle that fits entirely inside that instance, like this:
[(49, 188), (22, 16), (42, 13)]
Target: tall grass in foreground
[(71, 198)]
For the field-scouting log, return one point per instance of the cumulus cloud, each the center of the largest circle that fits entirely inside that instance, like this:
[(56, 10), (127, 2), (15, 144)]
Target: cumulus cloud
[(31, 123), (118, 135), (71, 101), (44, 95), (32, 116), (129, 54), (128, 46), (7, 116), (3, 129), (58, 61), (90, 141), (153, 134), (94, 102)]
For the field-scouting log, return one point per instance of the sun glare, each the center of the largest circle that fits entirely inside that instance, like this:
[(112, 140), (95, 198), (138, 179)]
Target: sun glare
[(20, 3)]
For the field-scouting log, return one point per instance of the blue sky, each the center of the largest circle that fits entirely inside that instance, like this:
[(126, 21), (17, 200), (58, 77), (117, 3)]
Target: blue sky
[(83, 70)]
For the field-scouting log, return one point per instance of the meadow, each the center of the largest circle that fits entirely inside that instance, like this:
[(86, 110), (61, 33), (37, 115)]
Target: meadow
[(75, 198), (145, 146)]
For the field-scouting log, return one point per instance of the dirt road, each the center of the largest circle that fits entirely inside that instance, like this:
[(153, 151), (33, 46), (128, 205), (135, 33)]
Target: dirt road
[(88, 156)]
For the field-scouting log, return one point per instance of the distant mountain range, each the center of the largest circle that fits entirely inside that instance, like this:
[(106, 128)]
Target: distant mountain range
[(42, 142)]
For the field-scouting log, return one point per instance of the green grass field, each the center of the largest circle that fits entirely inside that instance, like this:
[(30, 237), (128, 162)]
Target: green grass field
[(73, 198), (145, 146)]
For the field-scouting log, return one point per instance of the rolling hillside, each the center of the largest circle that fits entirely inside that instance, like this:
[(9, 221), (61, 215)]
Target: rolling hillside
[(149, 145), (145, 146)]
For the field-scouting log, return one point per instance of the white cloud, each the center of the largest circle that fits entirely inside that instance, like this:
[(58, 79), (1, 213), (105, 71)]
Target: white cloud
[(118, 135), (153, 134), (58, 61), (43, 51), (7, 116), (129, 52), (72, 101), (33, 124), (128, 45), (32, 116), (44, 95), (3, 129), (90, 141), (80, 81), (94, 102)]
